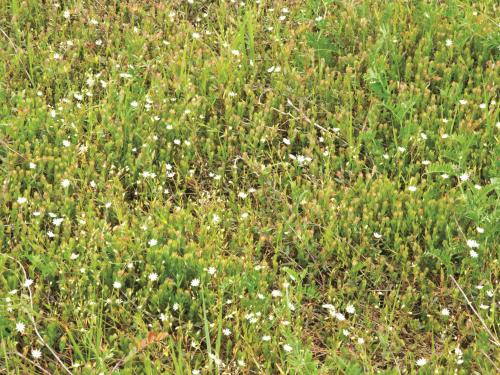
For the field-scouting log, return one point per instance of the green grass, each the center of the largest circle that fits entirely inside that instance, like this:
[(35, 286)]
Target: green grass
[(286, 187)]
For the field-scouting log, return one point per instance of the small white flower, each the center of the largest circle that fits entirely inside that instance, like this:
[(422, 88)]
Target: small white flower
[(449, 42), (412, 188), (350, 309), (196, 35), (287, 348), (484, 307), (175, 306), (36, 354), (377, 235), (152, 242), (266, 338), (340, 317), (345, 332), (153, 276), (361, 340), (74, 256), (134, 104), (473, 254), (20, 327), (215, 218), (66, 14), (445, 176), (242, 195), (211, 270), (472, 244), (66, 143), (195, 283), (421, 362), (464, 177), (57, 221), (65, 183), (21, 200), (445, 312), (196, 372), (286, 141), (401, 149), (444, 136), (27, 283), (235, 52), (117, 285), (480, 230), (463, 101), (32, 165), (276, 293), (226, 332), (482, 105)]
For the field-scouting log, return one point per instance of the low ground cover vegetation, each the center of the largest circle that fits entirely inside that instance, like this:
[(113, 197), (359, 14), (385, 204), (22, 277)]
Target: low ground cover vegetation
[(258, 187)]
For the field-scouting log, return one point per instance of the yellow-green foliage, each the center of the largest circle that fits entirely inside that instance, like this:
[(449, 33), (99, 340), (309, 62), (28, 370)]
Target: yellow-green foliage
[(258, 187)]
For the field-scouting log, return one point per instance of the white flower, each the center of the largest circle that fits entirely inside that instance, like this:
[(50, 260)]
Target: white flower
[(361, 340), (345, 332), (328, 306), (350, 309), (32, 165), (196, 372), (65, 183), (66, 14), (266, 338), (242, 195), (484, 307), (20, 327), (421, 362), (195, 283), (340, 317), (377, 235), (473, 254), (57, 221), (463, 101), (479, 230), (482, 105), (412, 188), (472, 244), (134, 104), (445, 176), (401, 149), (152, 242), (226, 332), (444, 136), (73, 256), (196, 35), (175, 306), (215, 218), (464, 177), (286, 141), (21, 200), (287, 348), (28, 283), (211, 270), (117, 285), (36, 354), (445, 312), (235, 52), (449, 42), (153, 276), (66, 143), (276, 293)]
